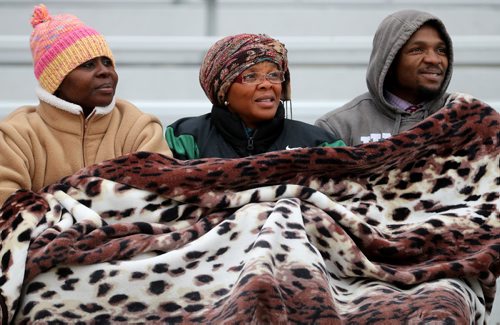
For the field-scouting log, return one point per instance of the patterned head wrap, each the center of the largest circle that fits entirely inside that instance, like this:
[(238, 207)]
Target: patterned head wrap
[(232, 55)]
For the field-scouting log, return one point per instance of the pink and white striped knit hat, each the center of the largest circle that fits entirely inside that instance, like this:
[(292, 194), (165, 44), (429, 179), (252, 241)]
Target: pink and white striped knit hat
[(61, 43)]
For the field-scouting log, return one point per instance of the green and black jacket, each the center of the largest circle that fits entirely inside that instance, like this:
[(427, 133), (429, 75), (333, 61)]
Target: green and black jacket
[(222, 134)]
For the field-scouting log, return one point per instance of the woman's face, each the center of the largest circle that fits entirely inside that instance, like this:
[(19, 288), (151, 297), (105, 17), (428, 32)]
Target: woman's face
[(91, 84), (255, 102)]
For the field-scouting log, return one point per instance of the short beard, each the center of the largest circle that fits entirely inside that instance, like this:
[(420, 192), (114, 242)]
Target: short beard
[(425, 94)]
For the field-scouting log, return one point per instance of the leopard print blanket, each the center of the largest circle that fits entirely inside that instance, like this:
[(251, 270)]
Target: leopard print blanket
[(406, 230)]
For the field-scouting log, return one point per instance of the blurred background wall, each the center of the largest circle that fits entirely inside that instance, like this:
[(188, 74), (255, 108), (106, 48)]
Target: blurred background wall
[(159, 45)]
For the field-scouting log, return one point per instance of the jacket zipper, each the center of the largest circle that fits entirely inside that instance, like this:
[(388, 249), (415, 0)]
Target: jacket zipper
[(84, 136), (250, 144)]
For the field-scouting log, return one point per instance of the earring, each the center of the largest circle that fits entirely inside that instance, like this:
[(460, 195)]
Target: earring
[(226, 103)]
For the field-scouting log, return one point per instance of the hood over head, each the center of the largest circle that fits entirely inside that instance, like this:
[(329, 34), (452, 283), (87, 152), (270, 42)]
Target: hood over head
[(392, 34)]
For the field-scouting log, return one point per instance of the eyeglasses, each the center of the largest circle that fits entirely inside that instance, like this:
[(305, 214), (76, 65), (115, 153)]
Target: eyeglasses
[(254, 78)]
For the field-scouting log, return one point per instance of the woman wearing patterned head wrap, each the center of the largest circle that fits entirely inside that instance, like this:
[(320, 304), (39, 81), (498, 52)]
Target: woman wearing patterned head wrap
[(246, 78)]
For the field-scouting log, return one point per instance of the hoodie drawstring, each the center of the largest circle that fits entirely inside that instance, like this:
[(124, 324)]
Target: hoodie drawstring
[(397, 124), (426, 112)]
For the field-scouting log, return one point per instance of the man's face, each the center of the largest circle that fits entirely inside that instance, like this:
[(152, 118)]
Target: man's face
[(420, 67)]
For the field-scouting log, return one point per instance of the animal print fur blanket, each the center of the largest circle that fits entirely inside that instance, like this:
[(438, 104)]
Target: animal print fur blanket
[(406, 230)]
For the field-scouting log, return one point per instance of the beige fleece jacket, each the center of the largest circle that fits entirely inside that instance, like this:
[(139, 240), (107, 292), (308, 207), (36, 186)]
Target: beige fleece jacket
[(41, 144)]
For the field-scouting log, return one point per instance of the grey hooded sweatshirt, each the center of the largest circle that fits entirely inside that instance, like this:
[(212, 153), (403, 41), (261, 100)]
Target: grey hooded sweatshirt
[(370, 117)]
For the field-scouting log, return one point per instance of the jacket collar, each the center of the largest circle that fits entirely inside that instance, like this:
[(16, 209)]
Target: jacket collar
[(233, 131), (55, 101)]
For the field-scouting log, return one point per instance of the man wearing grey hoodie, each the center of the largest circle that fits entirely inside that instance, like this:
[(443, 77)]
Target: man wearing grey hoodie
[(408, 73)]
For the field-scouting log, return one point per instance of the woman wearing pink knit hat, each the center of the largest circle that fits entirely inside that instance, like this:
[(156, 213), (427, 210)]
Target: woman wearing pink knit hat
[(246, 77), (78, 121)]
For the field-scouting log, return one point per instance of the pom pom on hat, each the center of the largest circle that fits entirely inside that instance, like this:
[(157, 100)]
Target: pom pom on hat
[(59, 44), (40, 15)]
